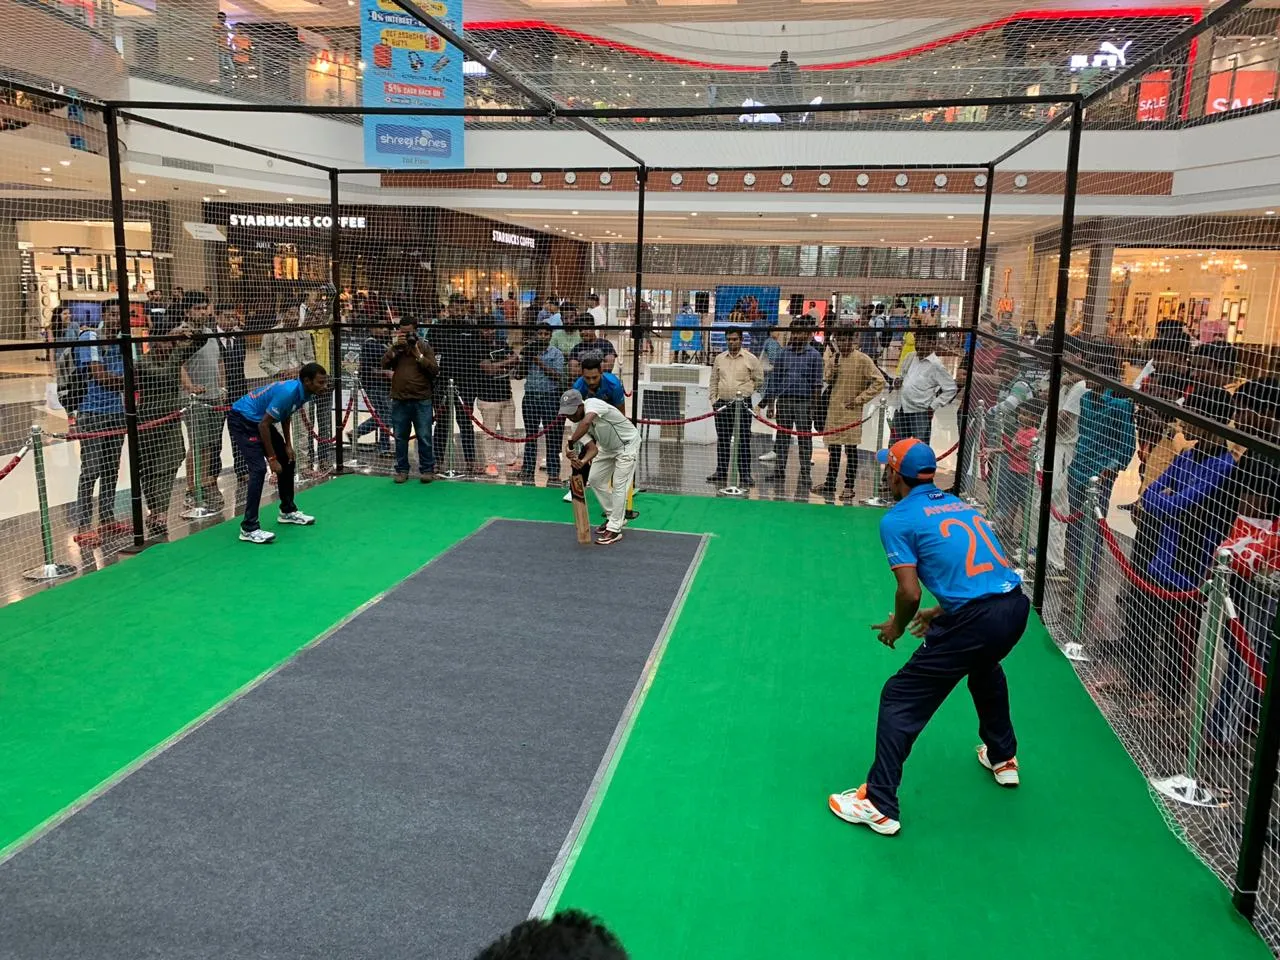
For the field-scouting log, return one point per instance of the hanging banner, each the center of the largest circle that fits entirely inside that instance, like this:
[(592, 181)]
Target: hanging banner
[(1235, 91), (408, 65), (1153, 96)]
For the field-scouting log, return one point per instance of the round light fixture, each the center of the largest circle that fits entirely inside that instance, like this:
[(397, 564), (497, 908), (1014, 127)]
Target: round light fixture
[(535, 177), (980, 180), (901, 180), (1020, 181), (788, 179), (748, 179), (824, 179), (713, 179), (940, 180), (606, 178), (863, 179), (570, 177), (502, 177), (677, 179)]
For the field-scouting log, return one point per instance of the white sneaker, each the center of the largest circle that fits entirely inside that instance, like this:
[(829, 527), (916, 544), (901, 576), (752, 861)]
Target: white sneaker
[(568, 497), (297, 517), (257, 536), (852, 806), (1006, 774), (768, 457)]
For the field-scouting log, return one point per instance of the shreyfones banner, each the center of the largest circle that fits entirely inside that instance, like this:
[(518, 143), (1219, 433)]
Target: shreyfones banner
[(408, 65)]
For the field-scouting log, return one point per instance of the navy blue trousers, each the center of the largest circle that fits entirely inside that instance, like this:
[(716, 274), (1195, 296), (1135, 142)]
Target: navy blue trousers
[(969, 642)]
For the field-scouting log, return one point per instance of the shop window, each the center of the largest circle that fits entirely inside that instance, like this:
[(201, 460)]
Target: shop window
[(829, 262)]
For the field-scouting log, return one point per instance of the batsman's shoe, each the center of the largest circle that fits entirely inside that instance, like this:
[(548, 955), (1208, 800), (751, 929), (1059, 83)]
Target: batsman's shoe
[(297, 517), (1006, 774), (852, 806), (257, 536), (609, 537), (568, 497)]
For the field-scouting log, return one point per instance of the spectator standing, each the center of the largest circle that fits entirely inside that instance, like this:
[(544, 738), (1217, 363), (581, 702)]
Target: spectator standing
[(493, 397), (456, 346), (796, 387), (285, 350), (550, 312), (599, 317), (569, 334), (101, 419), (413, 368), (735, 376), (315, 326), (376, 381), (161, 387), (204, 379), (231, 344), (926, 387), (1073, 388), (590, 342), (855, 381), (543, 386)]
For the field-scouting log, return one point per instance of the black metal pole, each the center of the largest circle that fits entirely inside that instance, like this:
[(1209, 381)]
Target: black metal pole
[(1050, 448), (335, 323), (115, 172), (1262, 785), (972, 347), (642, 178)]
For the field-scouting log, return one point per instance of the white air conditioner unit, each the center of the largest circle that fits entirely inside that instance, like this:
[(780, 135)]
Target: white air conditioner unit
[(676, 401), (695, 373)]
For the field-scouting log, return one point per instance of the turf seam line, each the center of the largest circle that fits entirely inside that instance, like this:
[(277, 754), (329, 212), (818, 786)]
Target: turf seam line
[(557, 877), (569, 523), (50, 823)]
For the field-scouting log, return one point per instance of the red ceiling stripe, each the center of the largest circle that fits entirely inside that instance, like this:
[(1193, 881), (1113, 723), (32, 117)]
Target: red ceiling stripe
[(1196, 13)]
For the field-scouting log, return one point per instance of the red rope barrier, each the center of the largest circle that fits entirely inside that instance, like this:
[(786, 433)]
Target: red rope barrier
[(805, 433), (373, 412), (1251, 661), (1134, 577), (954, 448), (346, 418), (675, 423), (531, 438), (17, 459), (147, 425)]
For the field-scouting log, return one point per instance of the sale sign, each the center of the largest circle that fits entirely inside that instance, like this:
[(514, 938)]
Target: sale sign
[(1153, 96), (1235, 91)]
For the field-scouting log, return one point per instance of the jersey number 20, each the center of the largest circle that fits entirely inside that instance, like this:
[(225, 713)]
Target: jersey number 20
[(981, 528)]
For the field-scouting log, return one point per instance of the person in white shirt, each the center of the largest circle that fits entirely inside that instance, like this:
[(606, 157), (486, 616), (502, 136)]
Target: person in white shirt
[(926, 387), (1073, 389), (597, 312), (612, 452)]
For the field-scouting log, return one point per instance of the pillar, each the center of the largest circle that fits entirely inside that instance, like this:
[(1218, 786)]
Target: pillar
[(1098, 288), (13, 324)]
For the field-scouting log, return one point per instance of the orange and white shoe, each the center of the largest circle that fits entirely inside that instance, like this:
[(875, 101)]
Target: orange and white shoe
[(852, 806), (1006, 774)]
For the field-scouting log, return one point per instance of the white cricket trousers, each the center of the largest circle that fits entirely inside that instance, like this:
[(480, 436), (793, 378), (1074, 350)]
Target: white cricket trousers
[(611, 478), (500, 417)]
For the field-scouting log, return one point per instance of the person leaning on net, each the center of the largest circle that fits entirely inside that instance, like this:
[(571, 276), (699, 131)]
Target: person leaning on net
[(252, 425), (937, 539), (612, 451)]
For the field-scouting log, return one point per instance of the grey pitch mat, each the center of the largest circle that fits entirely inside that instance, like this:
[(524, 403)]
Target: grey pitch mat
[(398, 791)]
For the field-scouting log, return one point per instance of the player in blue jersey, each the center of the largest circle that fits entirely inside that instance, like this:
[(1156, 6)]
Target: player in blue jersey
[(252, 425), (939, 540)]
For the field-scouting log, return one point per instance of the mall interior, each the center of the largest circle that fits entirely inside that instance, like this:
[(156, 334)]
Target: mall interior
[(1049, 209)]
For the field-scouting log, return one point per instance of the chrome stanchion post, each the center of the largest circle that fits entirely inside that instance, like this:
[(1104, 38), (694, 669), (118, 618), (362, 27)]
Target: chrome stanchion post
[(1028, 507), (1074, 648), (993, 478), (49, 570), (1185, 787), (353, 385), (878, 499), (974, 454), (732, 489), (199, 510), (450, 410)]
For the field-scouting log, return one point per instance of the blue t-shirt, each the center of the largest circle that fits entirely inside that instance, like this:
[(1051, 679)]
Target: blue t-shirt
[(97, 398), (610, 390), (953, 547), (281, 400)]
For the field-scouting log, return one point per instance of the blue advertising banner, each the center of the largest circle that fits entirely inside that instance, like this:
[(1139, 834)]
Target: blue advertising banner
[(738, 305), (407, 65), (684, 338)]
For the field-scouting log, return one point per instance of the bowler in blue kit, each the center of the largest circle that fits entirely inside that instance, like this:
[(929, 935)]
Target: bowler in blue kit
[(936, 539)]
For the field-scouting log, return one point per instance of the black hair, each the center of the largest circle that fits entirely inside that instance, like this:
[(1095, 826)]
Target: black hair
[(194, 298), (914, 482), (568, 306), (310, 371), (592, 361), (571, 935), (1212, 402), (225, 308)]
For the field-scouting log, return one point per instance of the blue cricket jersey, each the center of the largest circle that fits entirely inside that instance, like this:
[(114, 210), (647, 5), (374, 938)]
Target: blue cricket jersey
[(953, 547), (281, 400), (610, 390)]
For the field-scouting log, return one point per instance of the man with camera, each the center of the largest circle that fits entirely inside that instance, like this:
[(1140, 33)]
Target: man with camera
[(414, 369)]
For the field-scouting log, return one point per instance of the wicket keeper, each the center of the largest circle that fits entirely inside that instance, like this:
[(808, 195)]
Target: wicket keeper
[(937, 539), (613, 448)]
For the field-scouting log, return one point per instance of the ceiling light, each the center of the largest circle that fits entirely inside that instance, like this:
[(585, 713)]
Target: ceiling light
[(222, 190), (205, 199), (1271, 213), (694, 213), (133, 189), (951, 216), (142, 183), (813, 215), (46, 169), (575, 213), (288, 199), (65, 163), (47, 179)]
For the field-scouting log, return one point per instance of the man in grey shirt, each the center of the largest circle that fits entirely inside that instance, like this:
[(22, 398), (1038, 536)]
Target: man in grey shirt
[(204, 379)]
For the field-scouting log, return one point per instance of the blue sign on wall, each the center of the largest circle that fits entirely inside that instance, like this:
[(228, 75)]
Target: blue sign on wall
[(408, 65)]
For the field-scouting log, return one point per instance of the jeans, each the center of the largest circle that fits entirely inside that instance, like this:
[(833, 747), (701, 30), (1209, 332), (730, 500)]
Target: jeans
[(918, 424), (794, 413), (415, 415), (100, 466), (725, 416), (444, 430), (542, 412), (381, 403), (968, 642), (245, 437), (1084, 530), (833, 467)]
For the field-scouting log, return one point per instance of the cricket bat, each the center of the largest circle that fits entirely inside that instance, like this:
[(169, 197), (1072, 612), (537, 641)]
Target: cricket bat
[(580, 518)]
